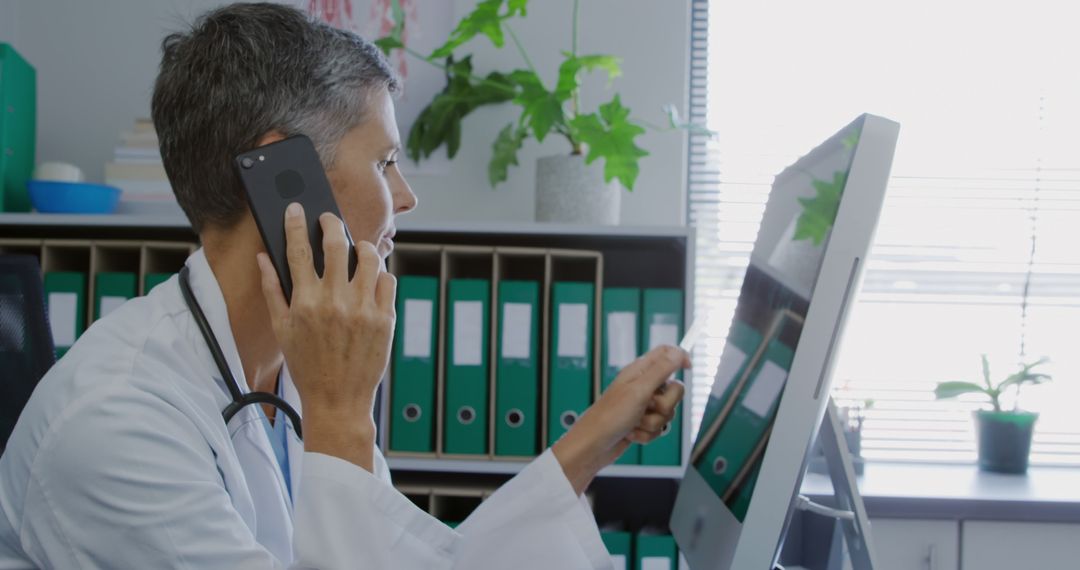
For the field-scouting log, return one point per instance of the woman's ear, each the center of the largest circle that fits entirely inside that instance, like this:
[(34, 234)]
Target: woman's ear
[(271, 137)]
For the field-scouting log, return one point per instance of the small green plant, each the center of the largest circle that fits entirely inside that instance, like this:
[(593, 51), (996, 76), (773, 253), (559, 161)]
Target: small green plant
[(1025, 375), (609, 132)]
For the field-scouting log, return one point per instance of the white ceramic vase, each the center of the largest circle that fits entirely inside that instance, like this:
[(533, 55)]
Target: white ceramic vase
[(569, 191)]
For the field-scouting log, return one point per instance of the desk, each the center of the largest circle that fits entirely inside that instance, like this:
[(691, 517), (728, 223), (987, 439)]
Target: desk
[(954, 517)]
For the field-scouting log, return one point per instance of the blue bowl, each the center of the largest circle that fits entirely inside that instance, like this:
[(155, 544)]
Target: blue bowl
[(50, 197)]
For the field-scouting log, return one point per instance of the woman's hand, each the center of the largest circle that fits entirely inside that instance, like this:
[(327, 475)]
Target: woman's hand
[(634, 409), (335, 334)]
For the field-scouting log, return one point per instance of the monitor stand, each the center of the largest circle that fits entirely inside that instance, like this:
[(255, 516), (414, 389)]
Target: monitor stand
[(850, 513)]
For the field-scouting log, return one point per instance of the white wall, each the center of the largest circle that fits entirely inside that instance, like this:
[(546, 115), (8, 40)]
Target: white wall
[(96, 63), (9, 14), (652, 37)]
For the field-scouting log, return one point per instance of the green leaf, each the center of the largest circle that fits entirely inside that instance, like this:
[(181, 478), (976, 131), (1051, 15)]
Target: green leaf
[(1026, 376), (946, 390), (674, 122), (572, 66), (819, 212), (610, 135), (540, 108), (517, 7), (986, 372), (486, 19), (440, 122), (504, 152), (388, 43), (852, 139), (394, 39)]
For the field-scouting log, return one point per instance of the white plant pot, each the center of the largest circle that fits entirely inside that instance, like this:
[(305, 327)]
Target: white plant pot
[(571, 192)]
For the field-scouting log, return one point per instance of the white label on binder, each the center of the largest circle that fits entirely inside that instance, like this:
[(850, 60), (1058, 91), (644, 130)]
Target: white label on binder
[(110, 304), (619, 561), (418, 328), (516, 331), (62, 310), (663, 333), (622, 338), (468, 328), (731, 360), (655, 563), (573, 322), (765, 389)]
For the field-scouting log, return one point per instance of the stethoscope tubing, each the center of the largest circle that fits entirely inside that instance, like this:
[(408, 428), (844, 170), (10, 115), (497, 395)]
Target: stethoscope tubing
[(239, 398)]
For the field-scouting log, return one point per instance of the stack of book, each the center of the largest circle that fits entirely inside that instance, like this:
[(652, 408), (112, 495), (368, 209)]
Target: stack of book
[(136, 169)]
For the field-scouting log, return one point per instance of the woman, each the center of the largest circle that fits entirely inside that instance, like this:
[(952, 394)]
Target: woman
[(122, 459)]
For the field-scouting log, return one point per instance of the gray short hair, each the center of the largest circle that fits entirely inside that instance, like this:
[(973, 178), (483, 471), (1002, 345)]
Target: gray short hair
[(242, 71)]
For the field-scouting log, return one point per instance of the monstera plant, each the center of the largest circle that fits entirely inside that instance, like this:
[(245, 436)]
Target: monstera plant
[(606, 133)]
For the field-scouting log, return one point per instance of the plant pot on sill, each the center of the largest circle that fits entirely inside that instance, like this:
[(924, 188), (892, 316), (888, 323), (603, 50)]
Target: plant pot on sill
[(569, 191), (1004, 440)]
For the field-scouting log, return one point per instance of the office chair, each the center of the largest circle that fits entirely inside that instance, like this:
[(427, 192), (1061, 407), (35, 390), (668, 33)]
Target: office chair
[(26, 345)]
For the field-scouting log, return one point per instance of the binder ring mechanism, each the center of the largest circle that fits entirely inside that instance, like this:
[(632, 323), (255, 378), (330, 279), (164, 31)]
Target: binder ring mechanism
[(515, 417), (412, 413)]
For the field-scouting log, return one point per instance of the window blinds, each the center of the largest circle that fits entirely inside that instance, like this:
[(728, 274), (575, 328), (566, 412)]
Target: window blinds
[(988, 158)]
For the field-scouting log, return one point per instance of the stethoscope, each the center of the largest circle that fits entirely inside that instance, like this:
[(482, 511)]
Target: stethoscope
[(239, 398)]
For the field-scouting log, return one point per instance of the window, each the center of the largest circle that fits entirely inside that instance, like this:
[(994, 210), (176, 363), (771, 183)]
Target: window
[(988, 158)]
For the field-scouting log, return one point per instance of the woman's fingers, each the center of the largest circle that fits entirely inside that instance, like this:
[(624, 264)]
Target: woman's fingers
[(298, 248), (368, 269), (335, 250), (385, 291), (666, 400), (659, 365), (655, 367)]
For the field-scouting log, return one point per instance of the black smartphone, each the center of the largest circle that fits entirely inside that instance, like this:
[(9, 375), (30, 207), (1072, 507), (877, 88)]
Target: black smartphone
[(277, 175)]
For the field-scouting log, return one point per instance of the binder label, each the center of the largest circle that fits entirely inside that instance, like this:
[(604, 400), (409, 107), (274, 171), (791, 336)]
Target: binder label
[(731, 361), (418, 328), (517, 326), (655, 563), (765, 389), (62, 309), (663, 331), (573, 325), (619, 560), (110, 304), (622, 338), (468, 330)]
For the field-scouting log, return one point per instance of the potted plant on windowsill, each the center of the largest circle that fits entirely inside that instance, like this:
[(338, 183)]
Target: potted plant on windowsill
[(1004, 437), (570, 187)]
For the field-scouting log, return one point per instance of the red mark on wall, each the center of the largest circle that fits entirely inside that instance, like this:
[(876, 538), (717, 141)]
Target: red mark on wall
[(382, 15), (337, 13)]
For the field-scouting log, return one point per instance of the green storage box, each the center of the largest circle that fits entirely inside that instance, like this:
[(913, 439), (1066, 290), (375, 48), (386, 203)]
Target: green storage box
[(18, 120)]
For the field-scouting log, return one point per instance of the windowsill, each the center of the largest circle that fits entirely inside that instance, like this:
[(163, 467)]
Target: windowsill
[(904, 490)]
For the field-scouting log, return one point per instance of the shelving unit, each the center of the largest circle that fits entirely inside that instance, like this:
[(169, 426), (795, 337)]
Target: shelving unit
[(646, 257)]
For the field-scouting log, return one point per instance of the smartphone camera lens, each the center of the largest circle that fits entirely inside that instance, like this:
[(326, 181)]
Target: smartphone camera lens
[(247, 162)]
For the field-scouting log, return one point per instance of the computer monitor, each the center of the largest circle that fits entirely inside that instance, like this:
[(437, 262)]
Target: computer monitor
[(773, 381)]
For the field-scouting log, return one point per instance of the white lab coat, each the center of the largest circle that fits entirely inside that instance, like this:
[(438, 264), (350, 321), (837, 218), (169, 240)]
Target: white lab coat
[(121, 460)]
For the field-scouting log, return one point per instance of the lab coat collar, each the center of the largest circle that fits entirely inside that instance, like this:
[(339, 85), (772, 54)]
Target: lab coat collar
[(294, 447), (208, 293)]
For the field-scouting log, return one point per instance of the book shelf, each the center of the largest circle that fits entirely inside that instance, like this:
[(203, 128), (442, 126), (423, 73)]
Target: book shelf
[(630, 496)]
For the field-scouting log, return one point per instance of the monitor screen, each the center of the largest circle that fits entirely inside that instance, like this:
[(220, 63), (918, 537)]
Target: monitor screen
[(768, 321)]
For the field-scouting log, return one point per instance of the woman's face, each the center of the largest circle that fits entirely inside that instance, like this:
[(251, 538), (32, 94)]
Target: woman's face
[(369, 189)]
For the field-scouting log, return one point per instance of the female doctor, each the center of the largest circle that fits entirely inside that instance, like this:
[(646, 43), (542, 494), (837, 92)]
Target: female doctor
[(122, 458)]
